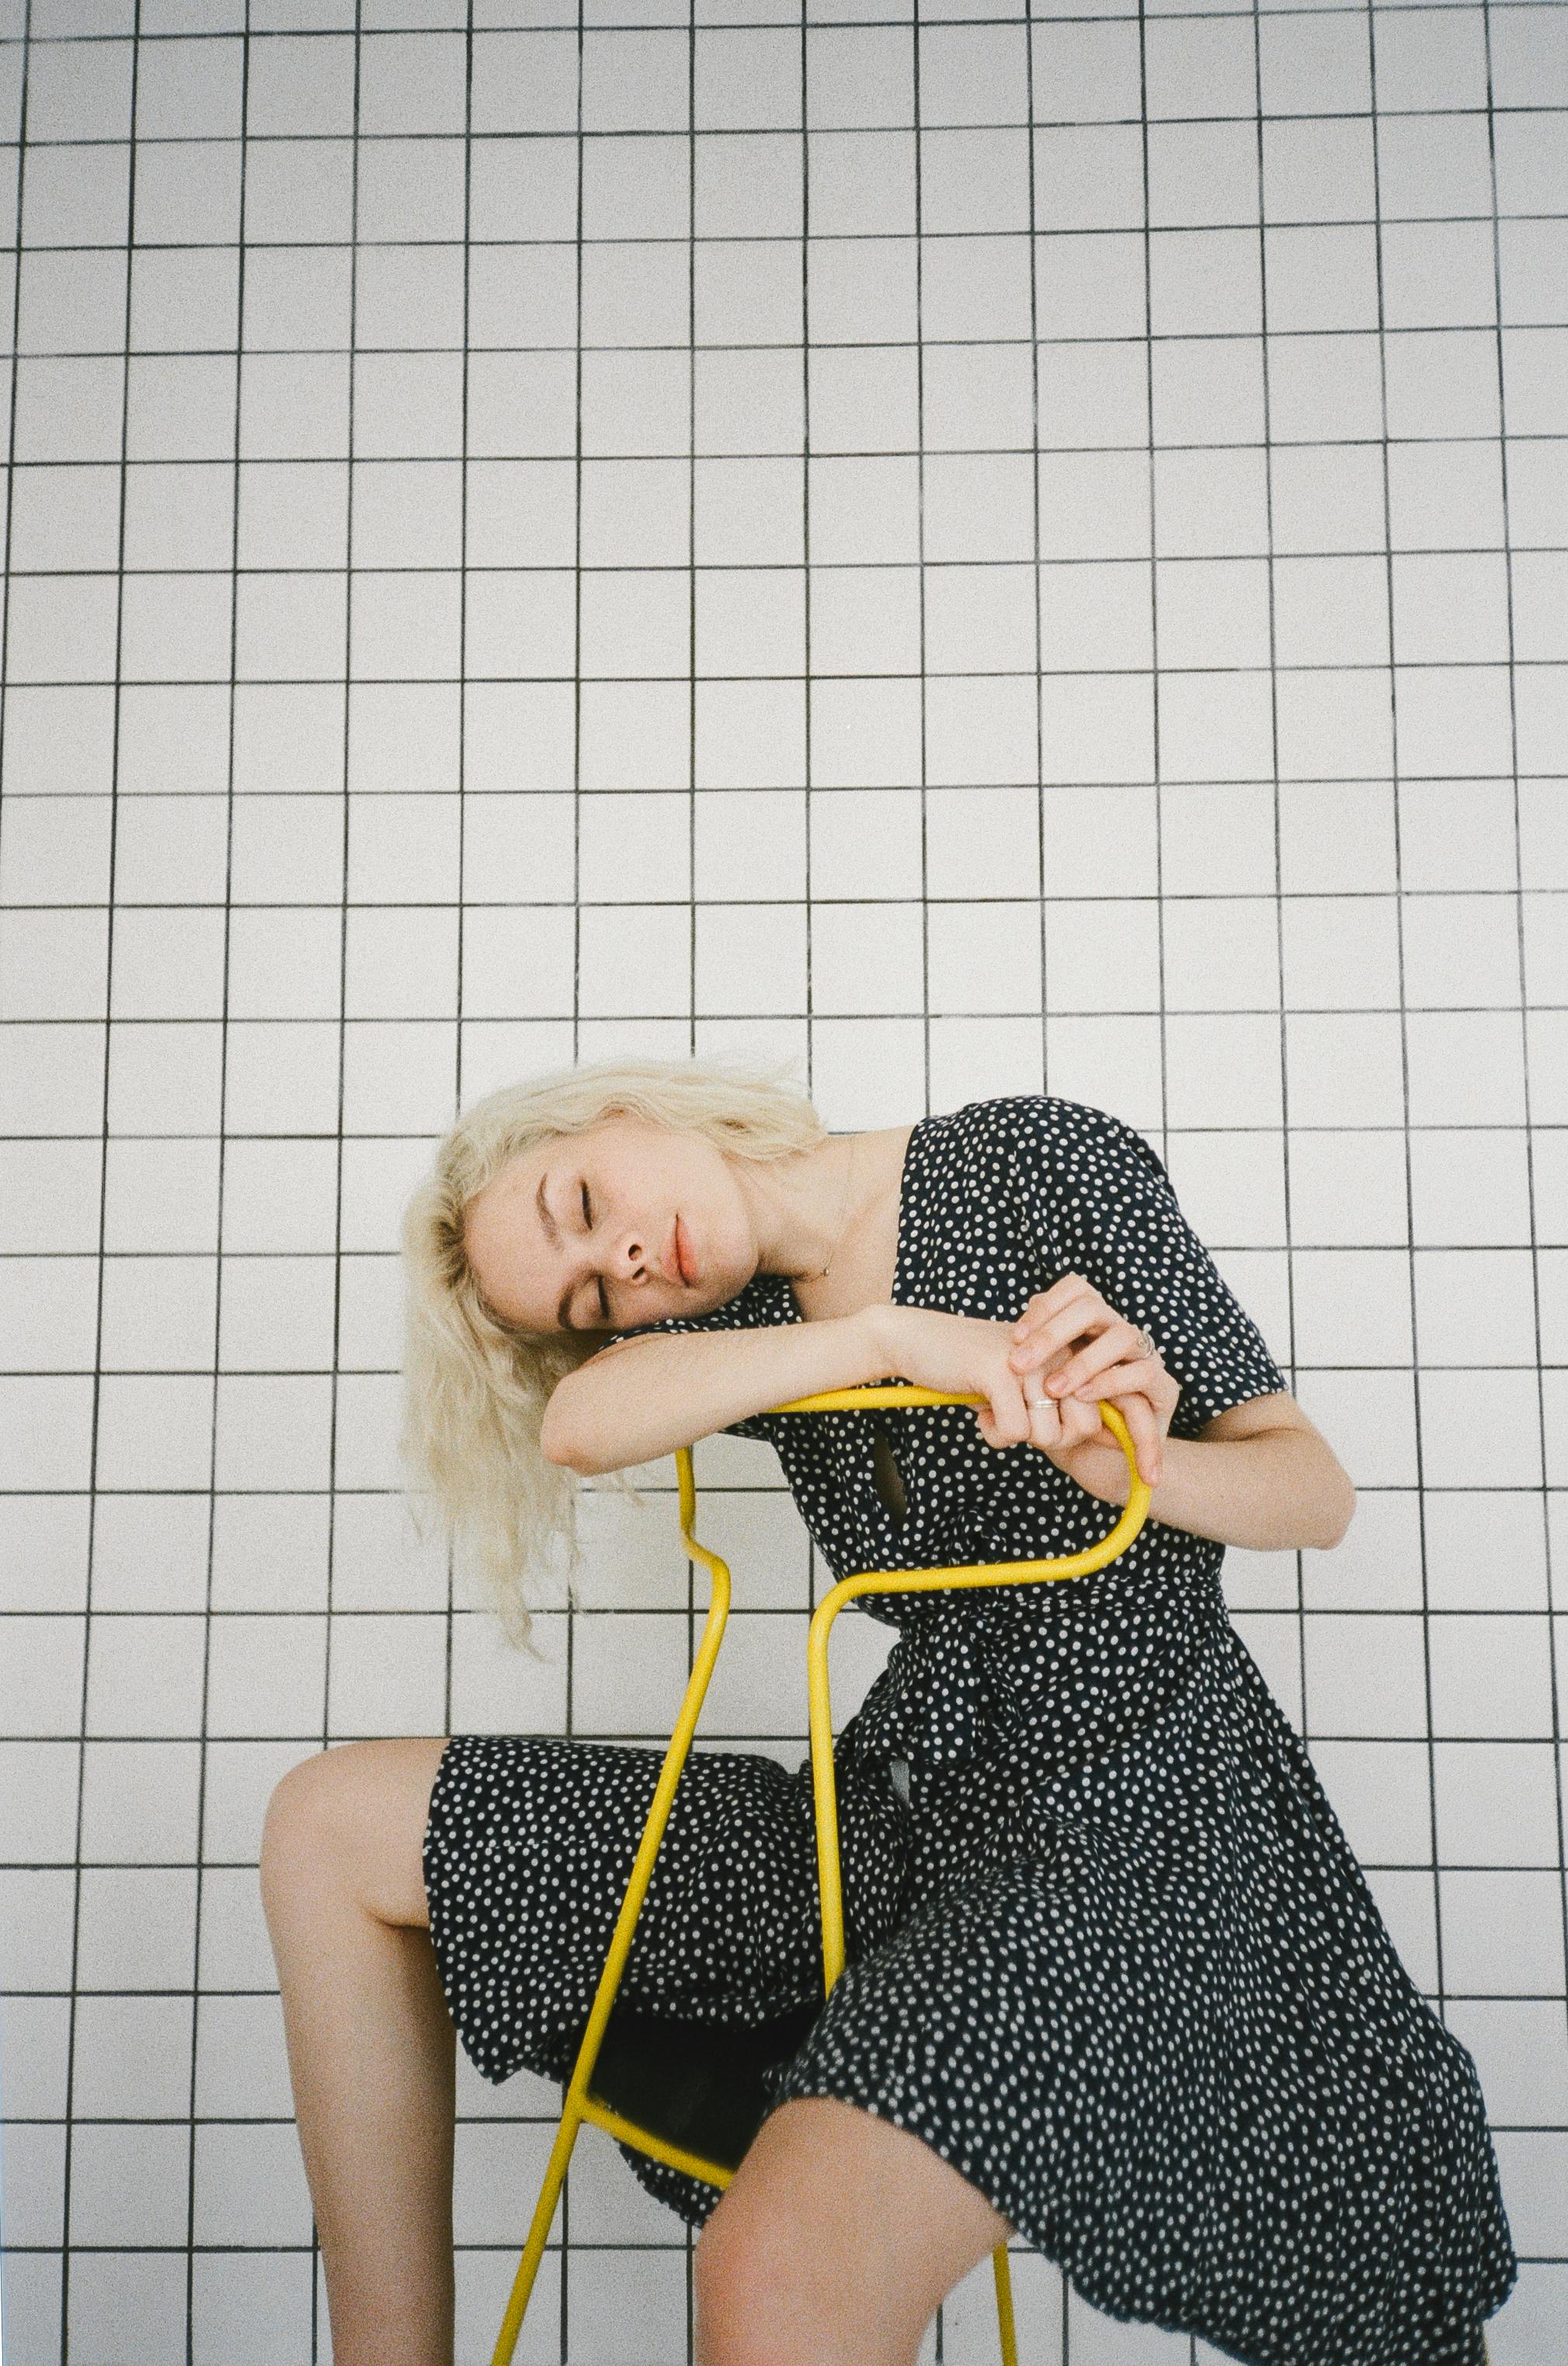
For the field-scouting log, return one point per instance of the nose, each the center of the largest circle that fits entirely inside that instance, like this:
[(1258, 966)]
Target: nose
[(631, 1255)]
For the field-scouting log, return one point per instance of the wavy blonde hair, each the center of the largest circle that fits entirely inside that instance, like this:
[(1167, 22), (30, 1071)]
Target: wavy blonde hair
[(476, 1388)]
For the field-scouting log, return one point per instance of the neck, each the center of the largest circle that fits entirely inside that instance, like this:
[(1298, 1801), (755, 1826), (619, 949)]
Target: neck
[(805, 1206)]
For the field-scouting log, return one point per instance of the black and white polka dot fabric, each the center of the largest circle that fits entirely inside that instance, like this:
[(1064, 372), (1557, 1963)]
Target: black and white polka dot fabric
[(1109, 1950)]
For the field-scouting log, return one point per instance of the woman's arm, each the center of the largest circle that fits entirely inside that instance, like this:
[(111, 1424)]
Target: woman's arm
[(1261, 1475), (1241, 1462), (641, 1397), (637, 1399)]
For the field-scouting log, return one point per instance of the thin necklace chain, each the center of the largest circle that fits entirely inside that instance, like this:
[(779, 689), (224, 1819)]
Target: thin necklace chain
[(843, 1203)]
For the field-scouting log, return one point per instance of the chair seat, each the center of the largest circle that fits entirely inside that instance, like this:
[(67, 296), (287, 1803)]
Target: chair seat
[(692, 2083)]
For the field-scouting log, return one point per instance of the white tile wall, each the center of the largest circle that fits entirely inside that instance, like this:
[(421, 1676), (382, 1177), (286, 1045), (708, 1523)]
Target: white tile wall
[(993, 555)]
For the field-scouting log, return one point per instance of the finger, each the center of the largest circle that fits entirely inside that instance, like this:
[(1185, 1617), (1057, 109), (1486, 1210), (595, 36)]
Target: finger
[(1014, 1411), (1062, 1427), (1048, 1305), (1043, 1304), (1047, 1424), (1009, 1414), (1081, 1360), (1055, 1338), (1116, 1380), (1079, 1422), (1144, 1425), (1093, 1360)]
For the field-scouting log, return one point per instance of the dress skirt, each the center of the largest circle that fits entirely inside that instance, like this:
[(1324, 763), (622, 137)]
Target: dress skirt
[(1144, 2003)]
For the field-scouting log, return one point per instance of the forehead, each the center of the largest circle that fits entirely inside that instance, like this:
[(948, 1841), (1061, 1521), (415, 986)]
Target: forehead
[(501, 1231), (510, 1184)]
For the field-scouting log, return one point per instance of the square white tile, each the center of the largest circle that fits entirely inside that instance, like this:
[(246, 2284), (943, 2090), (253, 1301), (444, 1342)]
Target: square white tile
[(708, 559)]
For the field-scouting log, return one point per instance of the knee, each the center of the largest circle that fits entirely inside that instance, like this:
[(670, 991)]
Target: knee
[(307, 1832), (734, 2264), (761, 2298)]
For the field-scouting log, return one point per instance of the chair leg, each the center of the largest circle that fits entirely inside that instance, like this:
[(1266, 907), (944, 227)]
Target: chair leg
[(631, 1907), (1005, 2325), (538, 2235)]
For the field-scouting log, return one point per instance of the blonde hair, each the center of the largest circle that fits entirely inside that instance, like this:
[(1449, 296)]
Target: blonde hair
[(476, 1388)]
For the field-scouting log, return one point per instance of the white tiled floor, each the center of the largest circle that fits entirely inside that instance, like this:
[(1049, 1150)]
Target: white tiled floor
[(989, 555)]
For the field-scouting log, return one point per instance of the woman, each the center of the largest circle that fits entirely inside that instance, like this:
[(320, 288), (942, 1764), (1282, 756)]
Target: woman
[(1115, 1981)]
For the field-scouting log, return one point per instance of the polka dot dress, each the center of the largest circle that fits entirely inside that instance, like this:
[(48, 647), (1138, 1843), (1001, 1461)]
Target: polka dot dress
[(1109, 1950)]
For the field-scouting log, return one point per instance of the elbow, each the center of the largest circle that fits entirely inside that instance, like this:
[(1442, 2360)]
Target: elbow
[(557, 1443), (1344, 1512), (573, 1454), (571, 1458), (564, 1456)]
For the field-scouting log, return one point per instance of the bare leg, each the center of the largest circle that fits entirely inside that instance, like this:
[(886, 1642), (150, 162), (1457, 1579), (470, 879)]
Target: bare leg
[(834, 2243), (371, 2050)]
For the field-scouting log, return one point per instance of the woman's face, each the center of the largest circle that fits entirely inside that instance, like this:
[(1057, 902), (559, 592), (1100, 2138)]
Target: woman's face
[(599, 1231)]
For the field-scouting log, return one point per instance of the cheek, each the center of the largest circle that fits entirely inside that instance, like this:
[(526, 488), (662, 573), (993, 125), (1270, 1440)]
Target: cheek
[(715, 1219)]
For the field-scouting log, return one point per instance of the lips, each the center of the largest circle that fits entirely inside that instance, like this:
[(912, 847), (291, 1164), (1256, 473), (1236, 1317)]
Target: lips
[(682, 1254)]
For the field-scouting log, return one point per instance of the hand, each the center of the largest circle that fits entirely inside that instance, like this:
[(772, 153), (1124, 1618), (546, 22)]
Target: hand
[(960, 1355), (1081, 1349)]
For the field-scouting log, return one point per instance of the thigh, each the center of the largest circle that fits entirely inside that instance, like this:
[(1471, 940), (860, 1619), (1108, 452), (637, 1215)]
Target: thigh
[(846, 2224)]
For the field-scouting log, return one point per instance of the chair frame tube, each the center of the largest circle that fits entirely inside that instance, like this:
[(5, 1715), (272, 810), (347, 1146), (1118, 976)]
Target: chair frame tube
[(578, 2104)]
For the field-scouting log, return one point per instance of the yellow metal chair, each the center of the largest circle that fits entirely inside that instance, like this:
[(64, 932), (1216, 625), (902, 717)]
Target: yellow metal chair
[(580, 2101)]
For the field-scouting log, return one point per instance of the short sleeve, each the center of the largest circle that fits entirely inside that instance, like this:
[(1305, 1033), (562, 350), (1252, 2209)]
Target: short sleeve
[(1101, 1204), (751, 1308)]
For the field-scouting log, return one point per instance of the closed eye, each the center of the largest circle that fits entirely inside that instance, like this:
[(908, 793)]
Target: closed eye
[(588, 1221)]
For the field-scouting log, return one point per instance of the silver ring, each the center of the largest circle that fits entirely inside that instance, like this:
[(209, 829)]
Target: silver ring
[(1146, 1346)]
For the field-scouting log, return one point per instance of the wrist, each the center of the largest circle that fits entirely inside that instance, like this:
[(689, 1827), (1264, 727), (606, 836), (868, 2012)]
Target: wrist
[(875, 1325)]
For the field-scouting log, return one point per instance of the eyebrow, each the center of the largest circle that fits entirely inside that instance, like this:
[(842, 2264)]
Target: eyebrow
[(552, 1233)]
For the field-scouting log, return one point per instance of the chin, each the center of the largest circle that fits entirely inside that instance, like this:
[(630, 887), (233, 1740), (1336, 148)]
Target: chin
[(711, 1290)]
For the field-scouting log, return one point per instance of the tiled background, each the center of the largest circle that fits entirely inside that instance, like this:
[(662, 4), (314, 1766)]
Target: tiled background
[(679, 528)]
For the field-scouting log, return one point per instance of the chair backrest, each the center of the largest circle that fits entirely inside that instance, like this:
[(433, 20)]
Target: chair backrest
[(903, 1581), (1011, 1573)]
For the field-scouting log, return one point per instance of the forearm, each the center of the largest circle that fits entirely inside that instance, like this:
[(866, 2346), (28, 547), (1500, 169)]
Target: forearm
[(644, 1397), (1276, 1491)]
